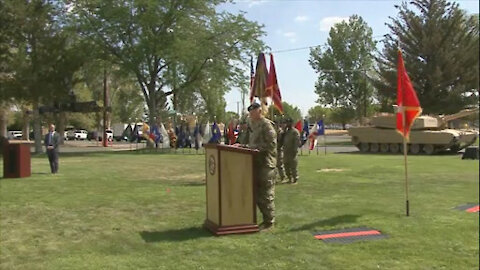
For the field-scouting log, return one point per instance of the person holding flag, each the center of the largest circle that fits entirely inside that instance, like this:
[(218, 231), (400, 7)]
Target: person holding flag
[(291, 142)]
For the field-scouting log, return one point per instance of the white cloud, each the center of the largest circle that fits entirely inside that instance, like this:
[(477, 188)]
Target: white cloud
[(301, 18), (252, 3), (327, 22), (291, 36)]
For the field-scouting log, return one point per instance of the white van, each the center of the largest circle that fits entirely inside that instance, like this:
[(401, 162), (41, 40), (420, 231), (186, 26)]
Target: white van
[(14, 135)]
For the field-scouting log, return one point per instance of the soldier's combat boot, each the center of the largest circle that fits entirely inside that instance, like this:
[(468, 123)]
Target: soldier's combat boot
[(265, 227)]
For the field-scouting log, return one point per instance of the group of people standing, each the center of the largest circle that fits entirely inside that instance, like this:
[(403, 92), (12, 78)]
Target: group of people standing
[(278, 150)]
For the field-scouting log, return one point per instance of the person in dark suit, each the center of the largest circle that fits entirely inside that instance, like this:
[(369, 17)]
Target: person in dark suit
[(52, 141)]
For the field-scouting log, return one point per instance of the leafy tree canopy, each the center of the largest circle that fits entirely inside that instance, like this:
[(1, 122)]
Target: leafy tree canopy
[(441, 52)]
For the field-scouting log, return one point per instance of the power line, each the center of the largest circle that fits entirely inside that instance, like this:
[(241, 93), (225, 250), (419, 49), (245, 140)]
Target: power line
[(296, 49), (313, 46)]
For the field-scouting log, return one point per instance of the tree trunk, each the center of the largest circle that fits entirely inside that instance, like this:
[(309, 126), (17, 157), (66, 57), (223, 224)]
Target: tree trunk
[(61, 122), (4, 111), (152, 106), (37, 128), (26, 123)]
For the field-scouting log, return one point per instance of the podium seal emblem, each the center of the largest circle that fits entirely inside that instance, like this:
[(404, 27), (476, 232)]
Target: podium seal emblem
[(211, 165)]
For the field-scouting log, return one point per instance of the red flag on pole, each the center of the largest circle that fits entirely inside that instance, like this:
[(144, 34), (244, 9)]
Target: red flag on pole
[(408, 106), (298, 126), (272, 86)]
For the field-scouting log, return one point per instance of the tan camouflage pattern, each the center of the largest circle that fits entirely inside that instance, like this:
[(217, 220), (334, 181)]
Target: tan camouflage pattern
[(264, 138), (291, 142), (280, 167)]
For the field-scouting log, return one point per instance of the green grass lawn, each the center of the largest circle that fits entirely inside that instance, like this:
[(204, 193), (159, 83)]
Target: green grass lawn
[(145, 211)]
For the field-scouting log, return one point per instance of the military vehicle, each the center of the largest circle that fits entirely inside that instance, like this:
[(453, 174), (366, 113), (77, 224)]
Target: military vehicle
[(429, 134)]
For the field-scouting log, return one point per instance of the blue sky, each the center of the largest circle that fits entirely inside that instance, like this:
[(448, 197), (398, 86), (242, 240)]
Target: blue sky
[(291, 24)]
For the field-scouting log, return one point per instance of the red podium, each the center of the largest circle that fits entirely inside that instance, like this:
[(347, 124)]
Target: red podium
[(16, 159), (230, 188)]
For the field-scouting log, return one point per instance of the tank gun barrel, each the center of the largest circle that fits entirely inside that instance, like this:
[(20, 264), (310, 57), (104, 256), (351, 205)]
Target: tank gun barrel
[(460, 114)]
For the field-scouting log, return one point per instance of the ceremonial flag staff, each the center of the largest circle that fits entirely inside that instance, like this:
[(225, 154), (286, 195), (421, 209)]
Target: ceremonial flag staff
[(407, 109)]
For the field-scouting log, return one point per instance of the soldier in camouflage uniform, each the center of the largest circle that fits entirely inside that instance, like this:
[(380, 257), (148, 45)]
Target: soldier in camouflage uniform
[(264, 138), (244, 132), (291, 143), (280, 134)]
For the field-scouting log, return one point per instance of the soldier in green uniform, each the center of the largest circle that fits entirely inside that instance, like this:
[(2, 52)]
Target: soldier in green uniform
[(264, 138), (244, 132), (280, 134), (291, 142)]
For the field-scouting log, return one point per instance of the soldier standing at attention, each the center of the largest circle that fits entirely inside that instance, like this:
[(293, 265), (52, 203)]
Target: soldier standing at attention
[(244, 132), (280, 135), (291, 142), (264, 138)]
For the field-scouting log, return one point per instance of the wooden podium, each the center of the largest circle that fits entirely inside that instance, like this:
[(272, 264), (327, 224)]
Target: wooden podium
[(230, 186), (16, 159)]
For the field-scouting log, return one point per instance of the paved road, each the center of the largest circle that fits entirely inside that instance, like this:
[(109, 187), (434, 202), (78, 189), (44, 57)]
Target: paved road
[(334, 144)]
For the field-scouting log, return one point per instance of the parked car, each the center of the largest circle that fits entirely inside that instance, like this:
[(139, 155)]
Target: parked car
[(14, 135), (110, 135), (80, 134), (95, 135), (70, 134)]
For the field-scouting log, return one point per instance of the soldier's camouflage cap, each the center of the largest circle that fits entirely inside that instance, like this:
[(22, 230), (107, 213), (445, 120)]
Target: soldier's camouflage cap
[(253, 106)]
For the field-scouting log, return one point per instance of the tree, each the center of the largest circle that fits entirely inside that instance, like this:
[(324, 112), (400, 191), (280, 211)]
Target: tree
[(343, 64), (230, 116), (440, 48), (342, 115), (34, 35), (171, 46), (289, 110), (317, 113)]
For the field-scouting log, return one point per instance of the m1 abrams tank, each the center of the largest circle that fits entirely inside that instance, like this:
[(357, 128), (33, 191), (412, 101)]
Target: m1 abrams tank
[(429, 135)]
